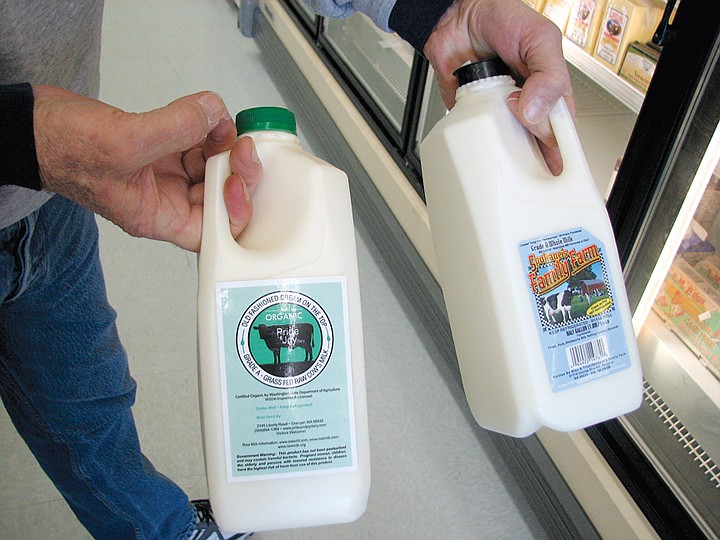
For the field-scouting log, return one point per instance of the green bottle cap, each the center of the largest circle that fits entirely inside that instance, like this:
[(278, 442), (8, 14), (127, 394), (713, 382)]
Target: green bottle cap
[(265, 119)]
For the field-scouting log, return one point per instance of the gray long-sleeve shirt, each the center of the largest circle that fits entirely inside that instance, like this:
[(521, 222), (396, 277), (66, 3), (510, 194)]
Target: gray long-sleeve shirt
[(47, 42)]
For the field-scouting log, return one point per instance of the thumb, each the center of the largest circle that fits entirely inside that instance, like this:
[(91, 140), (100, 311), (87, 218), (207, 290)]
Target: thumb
[(178, 126)]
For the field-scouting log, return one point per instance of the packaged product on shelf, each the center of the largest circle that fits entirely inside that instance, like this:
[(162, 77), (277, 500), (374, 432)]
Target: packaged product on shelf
[(694, 246), (537, 5), (704, 231), (639, 64), (707, 211), (558, 11), (709, 269), (583, 25), (624, 22), (692, 308)]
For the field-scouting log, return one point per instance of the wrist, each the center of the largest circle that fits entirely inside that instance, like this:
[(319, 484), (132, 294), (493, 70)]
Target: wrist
[(414, 21)]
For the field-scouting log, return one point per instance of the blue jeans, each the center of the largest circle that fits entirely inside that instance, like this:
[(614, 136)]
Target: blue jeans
[(65, 382)]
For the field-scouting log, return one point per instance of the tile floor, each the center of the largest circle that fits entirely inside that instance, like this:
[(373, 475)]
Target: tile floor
[(432, 476)]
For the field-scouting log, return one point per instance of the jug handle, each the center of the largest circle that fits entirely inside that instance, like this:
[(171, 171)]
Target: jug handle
[(571, 150), (216, 222)]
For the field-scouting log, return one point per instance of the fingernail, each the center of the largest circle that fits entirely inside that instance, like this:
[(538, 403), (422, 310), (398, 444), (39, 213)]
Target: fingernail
[(213, 107), (536, 110)]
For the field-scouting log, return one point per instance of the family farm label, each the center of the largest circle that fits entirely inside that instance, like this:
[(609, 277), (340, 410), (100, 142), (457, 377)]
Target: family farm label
[(572, 297)]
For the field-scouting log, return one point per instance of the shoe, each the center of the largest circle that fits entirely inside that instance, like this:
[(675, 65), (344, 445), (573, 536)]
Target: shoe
[(206, 528)]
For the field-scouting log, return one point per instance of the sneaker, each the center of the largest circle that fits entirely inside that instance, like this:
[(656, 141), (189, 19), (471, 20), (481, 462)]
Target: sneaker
[(206, 528)]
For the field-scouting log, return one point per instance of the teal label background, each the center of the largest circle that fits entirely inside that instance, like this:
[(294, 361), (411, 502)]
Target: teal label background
[(286, 377), (582, 340)]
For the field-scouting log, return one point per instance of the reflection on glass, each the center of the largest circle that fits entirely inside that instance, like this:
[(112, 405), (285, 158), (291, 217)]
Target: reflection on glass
[(381, 61)]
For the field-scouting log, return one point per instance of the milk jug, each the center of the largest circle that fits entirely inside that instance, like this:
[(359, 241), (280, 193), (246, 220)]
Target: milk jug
[(528, 267), (282, 380)]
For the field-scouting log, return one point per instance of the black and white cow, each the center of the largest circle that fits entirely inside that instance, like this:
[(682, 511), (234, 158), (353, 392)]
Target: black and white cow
[(288, 336), (558, 303)]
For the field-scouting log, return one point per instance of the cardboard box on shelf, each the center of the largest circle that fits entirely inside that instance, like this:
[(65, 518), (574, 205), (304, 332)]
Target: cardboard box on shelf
[(624, 22), (691, 307), (558, 11), (584, 23), (639, 65)]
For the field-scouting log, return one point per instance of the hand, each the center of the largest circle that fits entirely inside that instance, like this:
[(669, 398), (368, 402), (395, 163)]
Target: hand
[(144, 172), (531, 45)]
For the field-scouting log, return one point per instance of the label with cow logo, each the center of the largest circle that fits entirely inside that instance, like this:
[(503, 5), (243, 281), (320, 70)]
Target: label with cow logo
[(572, 294), (286, 377)]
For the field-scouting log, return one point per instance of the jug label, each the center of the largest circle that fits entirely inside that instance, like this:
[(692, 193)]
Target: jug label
[(286, 379), (580, 327)]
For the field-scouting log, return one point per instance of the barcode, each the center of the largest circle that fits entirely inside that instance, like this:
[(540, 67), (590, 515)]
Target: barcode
[(587, 353)]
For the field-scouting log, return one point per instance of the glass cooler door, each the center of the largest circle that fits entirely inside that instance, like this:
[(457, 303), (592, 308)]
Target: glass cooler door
[(665, 207), (678, 426), (678, 313), (381, 62)]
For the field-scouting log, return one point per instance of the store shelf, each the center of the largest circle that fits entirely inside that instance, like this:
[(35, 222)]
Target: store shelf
[(626, 93), (684, 383)]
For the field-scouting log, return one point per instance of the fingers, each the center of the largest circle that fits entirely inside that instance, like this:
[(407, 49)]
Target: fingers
[(244, 162), (545, 74), (527, 42), (547, 82), (142, 171), (535, 120), (246, 175), (542, 131), (181, 125), (238, 204), (193, 161), (553, 158), (221, 138)]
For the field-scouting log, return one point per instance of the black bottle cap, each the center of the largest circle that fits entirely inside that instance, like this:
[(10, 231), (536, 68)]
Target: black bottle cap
[(480, 70)]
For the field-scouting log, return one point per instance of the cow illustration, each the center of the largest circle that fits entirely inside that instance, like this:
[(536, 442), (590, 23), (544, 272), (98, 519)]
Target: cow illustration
[(288, 336), (558, 303)]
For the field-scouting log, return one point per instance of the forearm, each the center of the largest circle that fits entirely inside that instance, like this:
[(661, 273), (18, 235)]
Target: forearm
[(413, 20), (18, 159)]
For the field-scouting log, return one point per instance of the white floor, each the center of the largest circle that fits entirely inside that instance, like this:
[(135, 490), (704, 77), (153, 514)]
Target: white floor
[(432, 476)]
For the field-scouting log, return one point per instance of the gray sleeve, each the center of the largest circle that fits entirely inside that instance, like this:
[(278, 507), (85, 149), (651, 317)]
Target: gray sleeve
[(377, 10)]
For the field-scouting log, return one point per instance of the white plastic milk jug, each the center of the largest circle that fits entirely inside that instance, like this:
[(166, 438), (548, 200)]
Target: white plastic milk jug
[(282, 378), (528, 266)]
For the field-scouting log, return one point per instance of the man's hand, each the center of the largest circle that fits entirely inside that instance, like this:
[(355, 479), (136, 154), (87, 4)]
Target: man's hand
[(531, 45), (144, 172)]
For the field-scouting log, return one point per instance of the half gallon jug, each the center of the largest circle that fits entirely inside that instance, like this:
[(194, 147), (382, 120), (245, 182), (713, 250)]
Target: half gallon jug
[(528, 267), (282, 380)]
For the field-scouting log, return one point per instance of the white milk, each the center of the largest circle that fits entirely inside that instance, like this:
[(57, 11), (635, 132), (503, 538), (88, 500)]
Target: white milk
[(508, 235), (280, 343)]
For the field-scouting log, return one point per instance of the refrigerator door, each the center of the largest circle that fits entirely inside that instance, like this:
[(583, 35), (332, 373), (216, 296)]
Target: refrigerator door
[(382, 62), (664, 207)]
